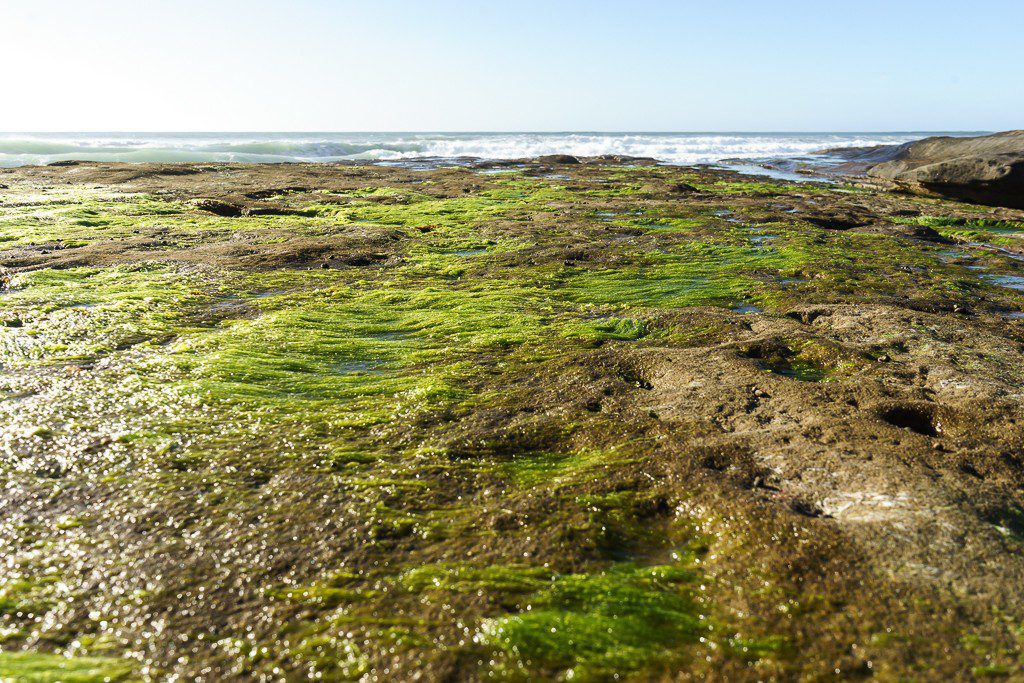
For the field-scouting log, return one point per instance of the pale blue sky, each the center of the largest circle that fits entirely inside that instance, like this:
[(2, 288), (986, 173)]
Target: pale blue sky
[(318, 65)]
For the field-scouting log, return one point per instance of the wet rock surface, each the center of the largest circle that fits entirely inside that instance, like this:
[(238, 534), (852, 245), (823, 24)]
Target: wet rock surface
[(541, 420)]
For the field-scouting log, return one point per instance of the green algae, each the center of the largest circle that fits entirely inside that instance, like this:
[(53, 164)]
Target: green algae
[(85, 313), (552, 469), (661, 223), (757, 188), (509, 197), (692, 274), (32, 667), (367, 346), (335, 391), (806, 360), (466, 579), (619, 620), (321, 338), (998, 658), (965, 224), (1003, 233), (616, 621), (78, 216), (593, 626), (326, 597)]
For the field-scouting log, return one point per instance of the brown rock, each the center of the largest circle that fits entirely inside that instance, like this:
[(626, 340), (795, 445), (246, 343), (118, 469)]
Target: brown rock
[(220, 208), (558, 159), (987, 169)]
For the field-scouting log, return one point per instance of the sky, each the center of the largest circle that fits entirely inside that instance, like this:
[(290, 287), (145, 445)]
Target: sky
[(517, 65)]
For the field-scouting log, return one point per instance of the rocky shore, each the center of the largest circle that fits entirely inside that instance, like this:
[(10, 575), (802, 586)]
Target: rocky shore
[(986, 170), (549, 419)]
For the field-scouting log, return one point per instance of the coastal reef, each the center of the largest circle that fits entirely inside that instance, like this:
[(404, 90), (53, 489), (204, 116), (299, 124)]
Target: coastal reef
[(563, 419)]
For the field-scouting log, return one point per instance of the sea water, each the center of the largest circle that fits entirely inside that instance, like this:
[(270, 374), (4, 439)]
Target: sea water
[(17, 149)]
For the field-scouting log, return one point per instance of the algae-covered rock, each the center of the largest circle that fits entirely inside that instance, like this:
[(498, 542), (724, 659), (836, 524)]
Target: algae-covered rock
[(620, 421)]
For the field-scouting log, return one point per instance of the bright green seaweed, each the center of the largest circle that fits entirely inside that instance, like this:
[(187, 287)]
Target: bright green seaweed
[(172, 381), (31, 667)]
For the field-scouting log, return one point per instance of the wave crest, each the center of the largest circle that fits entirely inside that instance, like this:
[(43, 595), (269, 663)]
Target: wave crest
[(679, 148)]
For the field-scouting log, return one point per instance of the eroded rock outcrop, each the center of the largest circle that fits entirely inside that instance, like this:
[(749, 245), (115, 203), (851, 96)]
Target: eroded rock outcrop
[(987, 169)]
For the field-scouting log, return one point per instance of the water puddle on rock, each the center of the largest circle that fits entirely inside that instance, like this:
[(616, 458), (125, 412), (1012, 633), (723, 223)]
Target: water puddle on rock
[(775, 173), (786, 362), (1015, 282), (498, 171), (1005, 252), (952, 256), (727, 215), (747, 309), (762, 239), (757, 238), (609, 216)]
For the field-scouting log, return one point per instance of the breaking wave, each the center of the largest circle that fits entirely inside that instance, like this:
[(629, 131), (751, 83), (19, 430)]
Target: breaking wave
[(680, 148)]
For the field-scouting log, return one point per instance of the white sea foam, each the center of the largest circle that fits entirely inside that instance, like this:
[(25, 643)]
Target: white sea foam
[(679, 148)]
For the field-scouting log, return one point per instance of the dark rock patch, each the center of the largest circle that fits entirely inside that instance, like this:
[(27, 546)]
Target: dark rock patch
[(559, 159), (217, 207), (919, 419)]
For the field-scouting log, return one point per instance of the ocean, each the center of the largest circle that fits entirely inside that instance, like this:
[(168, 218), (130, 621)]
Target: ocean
[(18, 149)]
